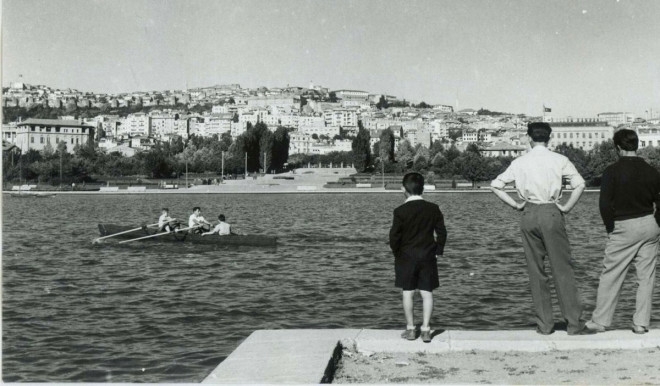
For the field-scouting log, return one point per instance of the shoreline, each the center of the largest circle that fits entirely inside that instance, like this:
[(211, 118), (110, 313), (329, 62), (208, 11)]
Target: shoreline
[(378, 356), (252, 190)]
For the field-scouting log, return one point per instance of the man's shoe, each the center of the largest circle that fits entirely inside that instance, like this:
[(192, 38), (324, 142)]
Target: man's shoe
[(409, 334), (595, 326), (539, 331), (426, 336), (584, 331), (639, 329)]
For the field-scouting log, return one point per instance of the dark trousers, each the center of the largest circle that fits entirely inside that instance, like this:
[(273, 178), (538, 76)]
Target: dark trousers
[(544, 234)]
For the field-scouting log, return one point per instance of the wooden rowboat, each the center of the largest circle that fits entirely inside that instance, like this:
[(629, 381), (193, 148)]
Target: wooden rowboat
[(185, 237)]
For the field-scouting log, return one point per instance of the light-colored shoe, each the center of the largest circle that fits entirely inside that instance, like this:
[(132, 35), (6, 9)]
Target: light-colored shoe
[(639, 329), (409, 334), (595, 326)]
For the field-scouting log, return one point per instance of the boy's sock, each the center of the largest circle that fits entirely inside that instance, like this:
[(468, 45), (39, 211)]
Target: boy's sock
[(425, 328), (410, 327)]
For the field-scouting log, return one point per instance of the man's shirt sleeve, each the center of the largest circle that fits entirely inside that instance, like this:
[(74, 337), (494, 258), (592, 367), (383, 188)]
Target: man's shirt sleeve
[(606, 201), (570, 172), (507, 177)]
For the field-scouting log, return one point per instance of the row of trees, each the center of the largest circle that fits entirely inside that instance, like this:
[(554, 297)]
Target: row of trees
[(266, 151)]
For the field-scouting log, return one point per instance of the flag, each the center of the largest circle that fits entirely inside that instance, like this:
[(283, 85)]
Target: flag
[(547, 109)]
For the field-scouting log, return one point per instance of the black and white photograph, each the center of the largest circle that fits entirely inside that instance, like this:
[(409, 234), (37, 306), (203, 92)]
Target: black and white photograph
[(344, 191)]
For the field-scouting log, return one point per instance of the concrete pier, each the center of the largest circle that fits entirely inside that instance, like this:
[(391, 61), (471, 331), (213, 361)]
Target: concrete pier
[(309, 356)]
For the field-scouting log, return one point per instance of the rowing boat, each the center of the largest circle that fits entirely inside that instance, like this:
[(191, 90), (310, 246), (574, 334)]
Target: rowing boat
[(188, 238)]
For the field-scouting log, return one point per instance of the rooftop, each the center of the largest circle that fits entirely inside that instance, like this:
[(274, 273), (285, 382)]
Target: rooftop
[(53, 122)]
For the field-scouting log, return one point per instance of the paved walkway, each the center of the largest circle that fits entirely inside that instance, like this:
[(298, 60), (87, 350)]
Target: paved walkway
[(309, 356)]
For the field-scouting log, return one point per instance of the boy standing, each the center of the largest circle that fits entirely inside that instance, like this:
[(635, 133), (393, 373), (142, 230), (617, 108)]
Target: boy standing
[(416, 251)]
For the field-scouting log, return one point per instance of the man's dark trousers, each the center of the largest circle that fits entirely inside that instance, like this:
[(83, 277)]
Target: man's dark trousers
[(544, 234)]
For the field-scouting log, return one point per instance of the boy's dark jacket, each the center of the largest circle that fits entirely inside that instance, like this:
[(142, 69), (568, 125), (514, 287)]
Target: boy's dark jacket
[(411, 235)]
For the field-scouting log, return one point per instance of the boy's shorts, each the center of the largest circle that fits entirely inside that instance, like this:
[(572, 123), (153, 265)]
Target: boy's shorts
[(412, 274)]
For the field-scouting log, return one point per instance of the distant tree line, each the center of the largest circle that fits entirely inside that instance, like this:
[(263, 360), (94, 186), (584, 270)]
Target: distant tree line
[(266, 151)]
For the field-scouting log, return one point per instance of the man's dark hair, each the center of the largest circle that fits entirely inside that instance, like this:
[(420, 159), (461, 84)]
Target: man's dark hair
[(626, 139), (221, 217), (539, 131), (413, 183), (197, 207), (165, 209)]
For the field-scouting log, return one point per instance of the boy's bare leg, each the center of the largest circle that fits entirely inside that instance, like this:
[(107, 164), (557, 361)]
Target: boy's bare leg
[(408, 309), (427, 308)]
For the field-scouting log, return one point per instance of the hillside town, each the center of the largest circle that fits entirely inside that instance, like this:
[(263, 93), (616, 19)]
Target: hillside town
[(320, 121)]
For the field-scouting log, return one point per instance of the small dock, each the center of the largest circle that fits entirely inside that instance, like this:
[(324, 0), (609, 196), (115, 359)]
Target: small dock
[(310, 356)]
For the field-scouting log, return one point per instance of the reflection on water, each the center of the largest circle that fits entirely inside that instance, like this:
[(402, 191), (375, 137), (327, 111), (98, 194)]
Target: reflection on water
[(157, 312)]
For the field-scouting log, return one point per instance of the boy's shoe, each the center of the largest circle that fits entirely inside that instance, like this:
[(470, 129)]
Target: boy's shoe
[(409, 334), (639, 329), (595, 326), (426, 336)]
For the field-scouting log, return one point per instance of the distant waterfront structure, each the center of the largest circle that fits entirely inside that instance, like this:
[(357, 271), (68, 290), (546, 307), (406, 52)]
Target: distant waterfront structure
[(36, 134)]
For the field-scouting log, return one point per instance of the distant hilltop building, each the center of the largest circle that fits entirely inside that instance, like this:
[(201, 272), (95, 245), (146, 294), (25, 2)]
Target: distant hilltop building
[(582, 134), (36, 134), (616, 119)]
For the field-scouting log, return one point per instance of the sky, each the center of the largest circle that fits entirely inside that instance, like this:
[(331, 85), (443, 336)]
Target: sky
[(578, 57)]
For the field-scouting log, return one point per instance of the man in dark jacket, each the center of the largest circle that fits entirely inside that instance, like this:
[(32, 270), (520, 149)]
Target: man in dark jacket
[(416, 250), (629, 199)]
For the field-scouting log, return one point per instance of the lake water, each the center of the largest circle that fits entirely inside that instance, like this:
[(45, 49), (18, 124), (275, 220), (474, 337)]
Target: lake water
[(153, 312)]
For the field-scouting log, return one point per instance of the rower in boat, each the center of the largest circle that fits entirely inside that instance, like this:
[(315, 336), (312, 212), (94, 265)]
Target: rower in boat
[(222, 229), (198, 222), (167, 223)]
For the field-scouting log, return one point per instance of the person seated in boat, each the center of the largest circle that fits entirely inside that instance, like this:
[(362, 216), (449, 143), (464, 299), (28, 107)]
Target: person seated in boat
[(221, 229), (198, 222), (165, 222)]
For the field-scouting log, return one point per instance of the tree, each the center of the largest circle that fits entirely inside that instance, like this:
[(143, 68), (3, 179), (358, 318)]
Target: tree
[(455, 133), (473, 148), (281, 142), (382, 103), (423, 105), (452, 153), (600, 157), (332, 97), (315, 136), (436, 148), (361, 149), (266, 143), (386, 147), (405, 155), (473, 167)]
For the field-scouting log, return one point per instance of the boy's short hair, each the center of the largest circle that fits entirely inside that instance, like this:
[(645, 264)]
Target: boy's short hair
[(413, 183), (539, 131), (626, 139), (197, 207), (221, 217), (165, 210)]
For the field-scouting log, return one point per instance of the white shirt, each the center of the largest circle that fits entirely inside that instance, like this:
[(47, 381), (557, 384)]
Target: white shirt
[(538, 175), (414, 198), (163, 219), (195, 220), (222, 229)]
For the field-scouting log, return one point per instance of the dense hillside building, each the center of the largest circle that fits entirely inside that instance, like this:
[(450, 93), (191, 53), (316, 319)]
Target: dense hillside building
[(36, 134)]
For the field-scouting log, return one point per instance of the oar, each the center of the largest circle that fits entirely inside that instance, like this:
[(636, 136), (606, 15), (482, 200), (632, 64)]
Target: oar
[(124, 232), (159, 234)]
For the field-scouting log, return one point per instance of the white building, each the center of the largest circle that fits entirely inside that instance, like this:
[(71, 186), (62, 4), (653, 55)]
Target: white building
[(300, 143), (616, 119), (38, 133), (649, 137), (582, 135), (137, 124), (329, 131), (346, 118)]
